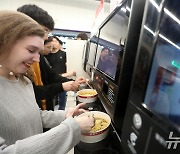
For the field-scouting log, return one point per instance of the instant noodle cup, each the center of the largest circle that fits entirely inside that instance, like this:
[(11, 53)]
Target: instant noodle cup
[(100, 129), (87, 95)]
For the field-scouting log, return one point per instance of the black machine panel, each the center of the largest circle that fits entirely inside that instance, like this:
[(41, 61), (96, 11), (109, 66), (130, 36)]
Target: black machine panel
[(141, 134), (115, 58), (108, 91), (156, 82)]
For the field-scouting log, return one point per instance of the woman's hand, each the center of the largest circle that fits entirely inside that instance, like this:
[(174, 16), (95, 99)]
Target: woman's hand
[(86, 122), (76, 111)]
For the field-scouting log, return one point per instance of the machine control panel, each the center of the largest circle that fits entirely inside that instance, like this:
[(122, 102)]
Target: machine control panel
[(107, 92)]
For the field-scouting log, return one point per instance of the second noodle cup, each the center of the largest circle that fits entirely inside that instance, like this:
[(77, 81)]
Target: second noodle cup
[(100, 130), (87, 95)]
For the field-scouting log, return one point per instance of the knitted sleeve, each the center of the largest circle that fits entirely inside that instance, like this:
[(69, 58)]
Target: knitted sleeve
[(58, 140), (51, 119)]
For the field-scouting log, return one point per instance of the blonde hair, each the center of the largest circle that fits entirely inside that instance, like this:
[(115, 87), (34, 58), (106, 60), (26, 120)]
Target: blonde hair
[(14, 26)]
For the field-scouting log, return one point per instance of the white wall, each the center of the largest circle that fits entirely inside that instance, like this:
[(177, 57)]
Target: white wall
[(74, 54), (68, 14)]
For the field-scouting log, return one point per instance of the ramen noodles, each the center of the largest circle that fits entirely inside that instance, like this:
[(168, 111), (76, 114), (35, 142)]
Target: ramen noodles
[(87, 93), (100, 124)]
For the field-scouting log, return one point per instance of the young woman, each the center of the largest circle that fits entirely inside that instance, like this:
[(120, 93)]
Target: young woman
[(22, 123)]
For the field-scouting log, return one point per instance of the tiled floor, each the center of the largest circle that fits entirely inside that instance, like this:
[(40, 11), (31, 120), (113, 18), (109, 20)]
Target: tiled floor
[(71, 102)]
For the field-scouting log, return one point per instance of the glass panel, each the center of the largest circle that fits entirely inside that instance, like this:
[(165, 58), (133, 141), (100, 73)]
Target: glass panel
[(163, 90), (111, 42)]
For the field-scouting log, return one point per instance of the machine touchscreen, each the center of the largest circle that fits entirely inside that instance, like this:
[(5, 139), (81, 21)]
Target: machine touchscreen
[(162, 95)]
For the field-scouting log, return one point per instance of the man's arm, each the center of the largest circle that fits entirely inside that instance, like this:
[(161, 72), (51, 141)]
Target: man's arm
[(47, 91)]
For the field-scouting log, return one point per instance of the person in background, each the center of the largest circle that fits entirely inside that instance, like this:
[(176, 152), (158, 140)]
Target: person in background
[(46, 82), (112, 65), (82, 36), (57, 59), (48, 46), (103, 59), (21, 120)]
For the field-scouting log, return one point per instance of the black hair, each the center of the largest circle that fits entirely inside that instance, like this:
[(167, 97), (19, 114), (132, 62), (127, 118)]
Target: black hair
[(82, 36), (38, 14), (60, 42), (50, 39), (105, 48)]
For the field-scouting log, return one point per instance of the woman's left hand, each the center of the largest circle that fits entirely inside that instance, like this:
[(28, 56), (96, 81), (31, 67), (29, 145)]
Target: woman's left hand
[(76, 111)]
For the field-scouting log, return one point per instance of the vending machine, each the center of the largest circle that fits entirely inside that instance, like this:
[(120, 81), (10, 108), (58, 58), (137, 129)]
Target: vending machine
[(152, 121)]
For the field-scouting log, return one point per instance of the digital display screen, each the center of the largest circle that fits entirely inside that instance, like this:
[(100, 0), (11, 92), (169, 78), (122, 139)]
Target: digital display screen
[(112, 37), (163, 90), (108, 60)]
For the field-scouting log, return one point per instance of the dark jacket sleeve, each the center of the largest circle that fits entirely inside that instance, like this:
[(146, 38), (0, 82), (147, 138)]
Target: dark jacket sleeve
[(49, 75), (47, 91), (52, 82)]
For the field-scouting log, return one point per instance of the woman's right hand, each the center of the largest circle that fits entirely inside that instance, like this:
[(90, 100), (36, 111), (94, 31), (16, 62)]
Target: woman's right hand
[(86, 122)]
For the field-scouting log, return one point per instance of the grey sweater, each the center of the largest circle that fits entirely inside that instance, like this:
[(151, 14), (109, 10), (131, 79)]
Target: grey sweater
[(22, 122)]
